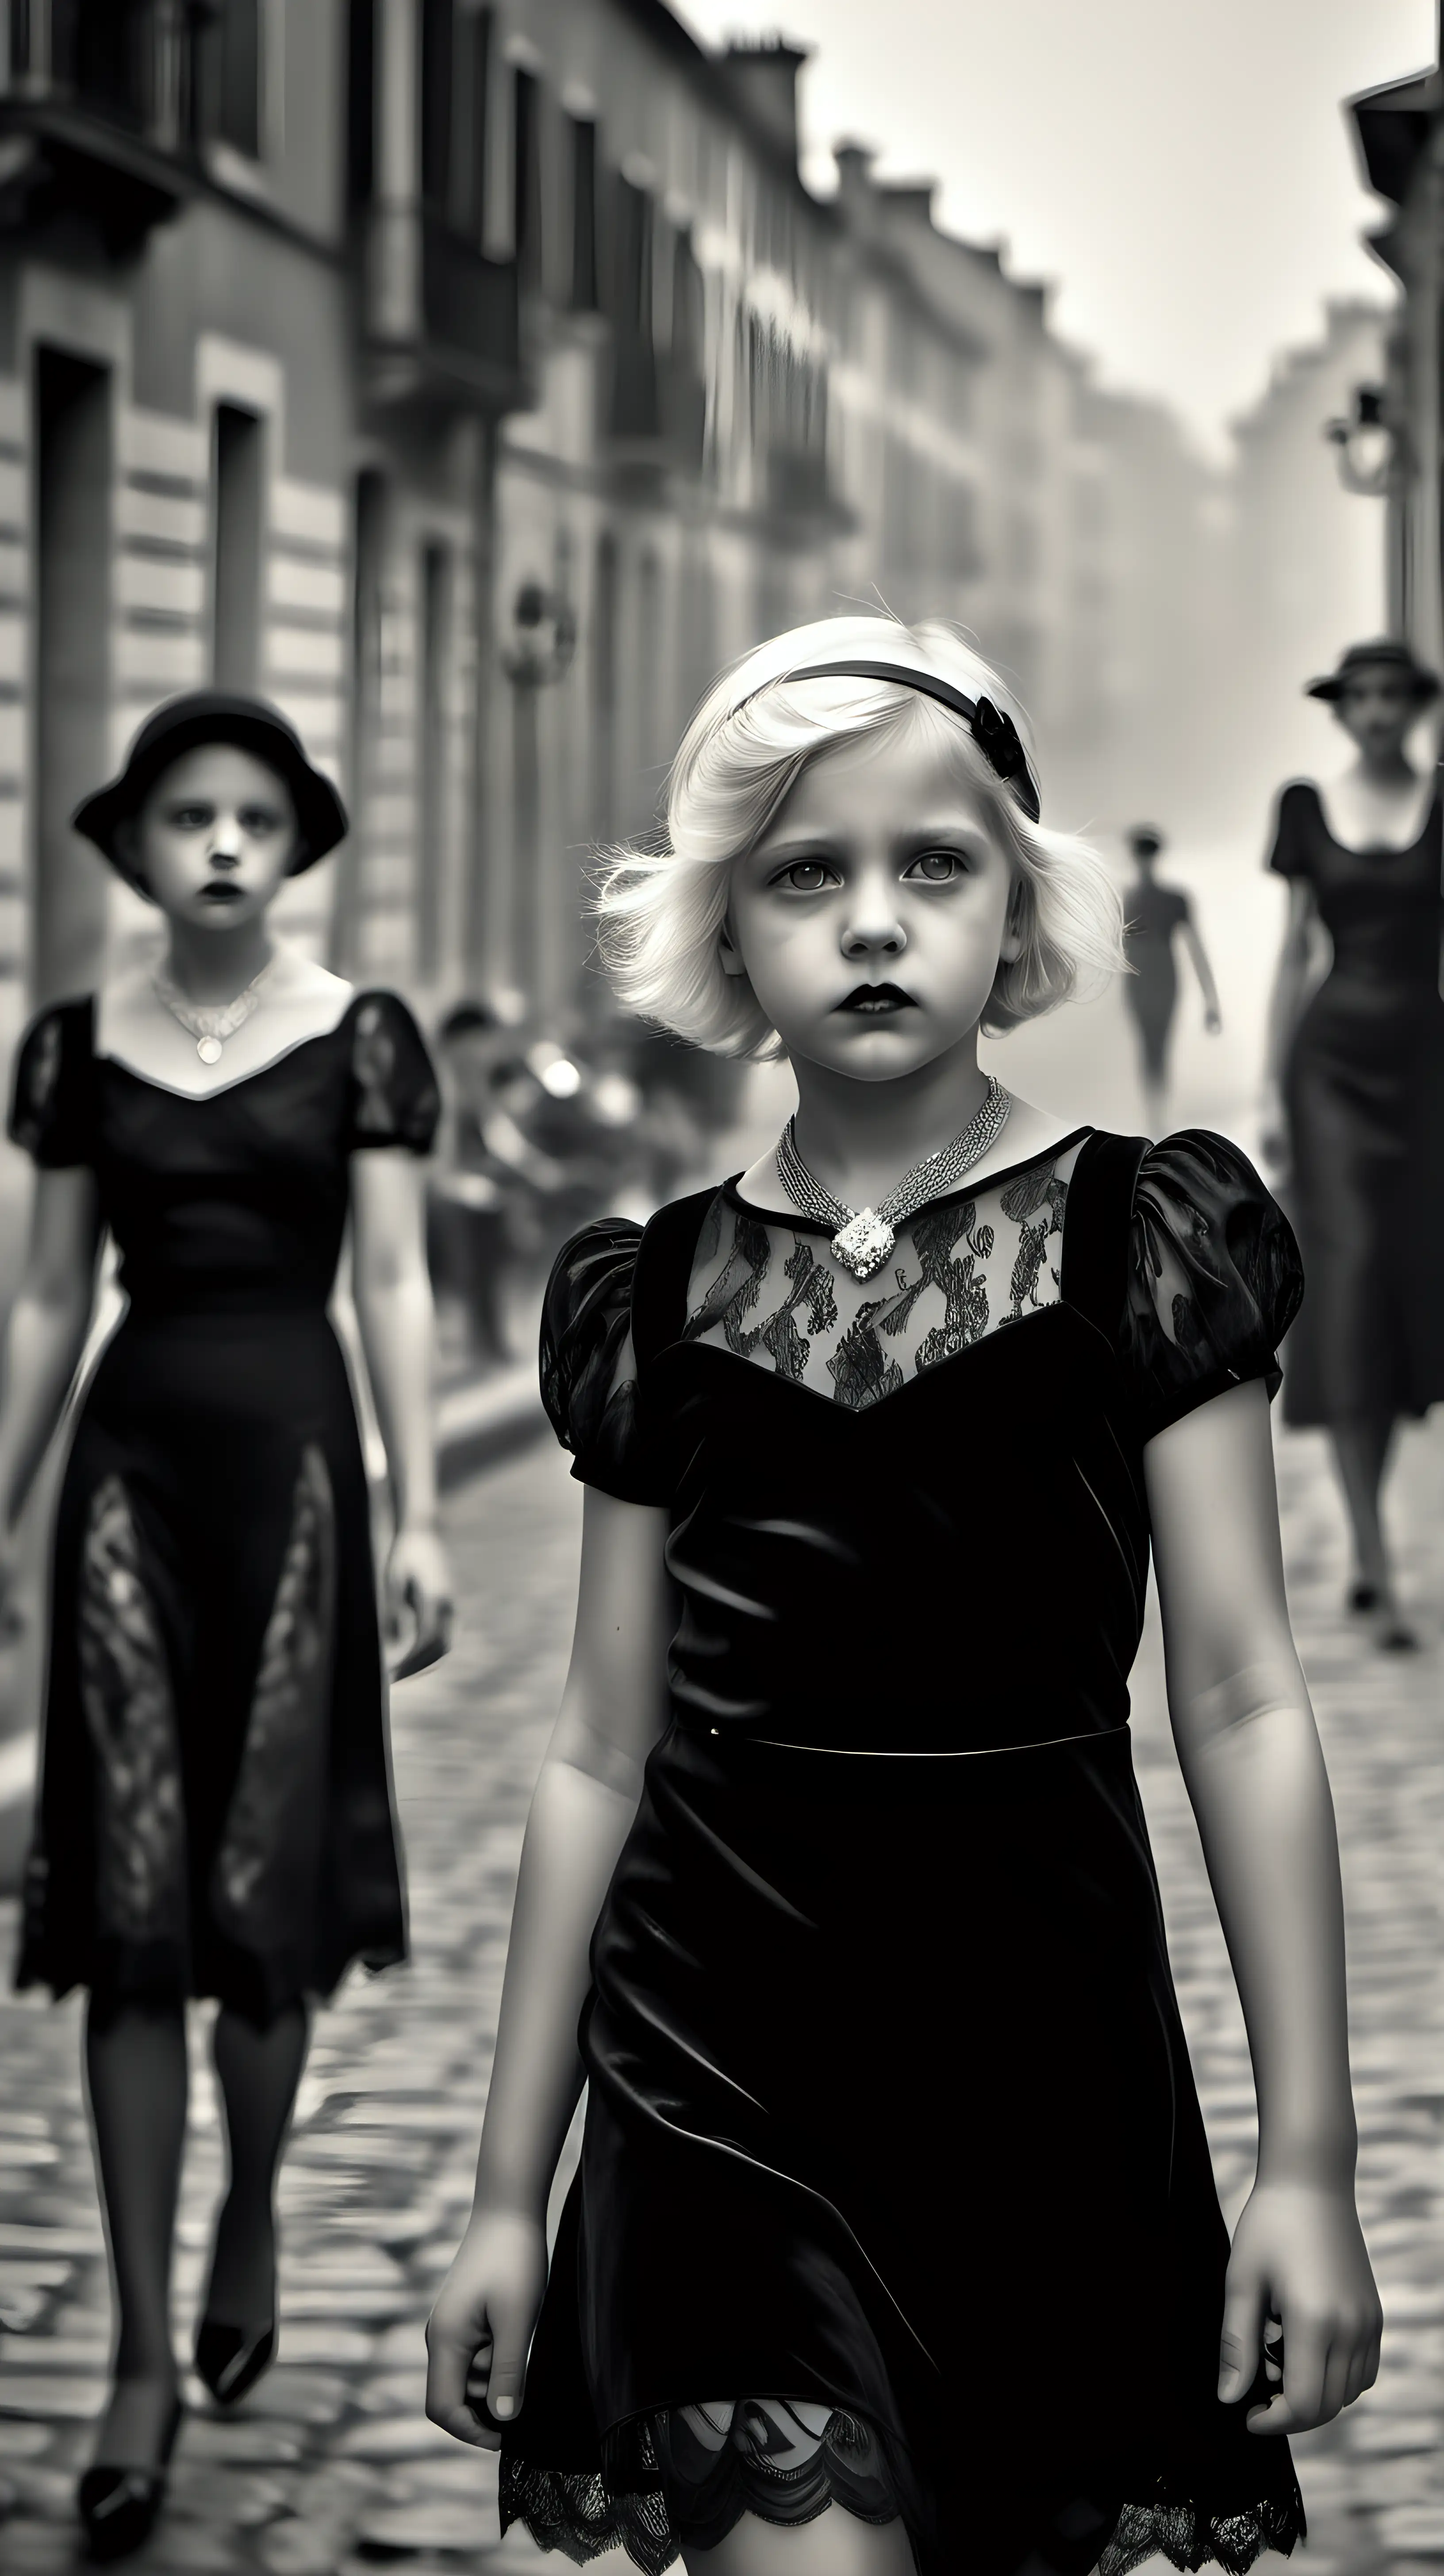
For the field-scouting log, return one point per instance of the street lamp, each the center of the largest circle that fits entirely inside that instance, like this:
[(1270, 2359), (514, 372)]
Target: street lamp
[(543, 637), (1367, 444), (536, 652)]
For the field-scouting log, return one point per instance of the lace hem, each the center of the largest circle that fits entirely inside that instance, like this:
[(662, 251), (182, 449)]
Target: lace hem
[(576, 2513), (1189, 2536), (688, 2474), (581, 2515)]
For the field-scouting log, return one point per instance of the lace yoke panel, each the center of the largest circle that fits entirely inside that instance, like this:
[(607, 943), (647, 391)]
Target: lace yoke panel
[(961, 1269)]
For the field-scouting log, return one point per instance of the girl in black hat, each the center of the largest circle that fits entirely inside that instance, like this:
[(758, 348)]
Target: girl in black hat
[(1355, 1091), (215, 1814)]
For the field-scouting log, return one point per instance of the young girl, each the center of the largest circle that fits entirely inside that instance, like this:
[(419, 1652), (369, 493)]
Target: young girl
[(215, 1816), (895, 2243)]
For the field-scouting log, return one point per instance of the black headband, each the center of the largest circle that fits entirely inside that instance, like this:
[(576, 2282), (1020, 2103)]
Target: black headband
[(995, 733)]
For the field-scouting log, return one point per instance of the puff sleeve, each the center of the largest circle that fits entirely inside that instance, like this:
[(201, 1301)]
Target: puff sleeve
[(1291, 853), (588, 1367), (394, 1095), (1214, 1278), (52, 1099)]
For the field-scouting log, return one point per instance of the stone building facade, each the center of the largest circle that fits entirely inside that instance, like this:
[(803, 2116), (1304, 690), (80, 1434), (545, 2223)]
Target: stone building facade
[(473, 380)]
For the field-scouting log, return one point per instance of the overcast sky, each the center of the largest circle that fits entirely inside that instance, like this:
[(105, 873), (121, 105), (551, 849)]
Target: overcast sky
[(1180, 168)]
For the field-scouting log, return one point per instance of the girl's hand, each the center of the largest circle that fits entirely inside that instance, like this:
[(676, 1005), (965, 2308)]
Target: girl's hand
[(481, 2328), (1298, 2257), (418, 1578), (1213, 1022)]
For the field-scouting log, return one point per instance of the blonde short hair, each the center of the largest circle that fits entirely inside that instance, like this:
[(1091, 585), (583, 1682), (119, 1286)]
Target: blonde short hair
[(660, 912)]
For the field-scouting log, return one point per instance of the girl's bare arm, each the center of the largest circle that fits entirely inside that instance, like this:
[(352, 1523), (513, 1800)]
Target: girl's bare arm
[(391, 1290), (613, 1710), (1255, 1774), (1291, 980), (48, 1325)]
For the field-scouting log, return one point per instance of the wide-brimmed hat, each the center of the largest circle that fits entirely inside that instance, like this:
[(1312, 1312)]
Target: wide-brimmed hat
[(209, 715), (1384, 652)]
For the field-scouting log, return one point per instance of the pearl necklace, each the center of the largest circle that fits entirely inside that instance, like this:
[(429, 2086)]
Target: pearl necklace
[(865, 1236), (210, 1024)]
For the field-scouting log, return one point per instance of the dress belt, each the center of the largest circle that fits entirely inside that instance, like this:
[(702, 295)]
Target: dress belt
[(945, 1753)]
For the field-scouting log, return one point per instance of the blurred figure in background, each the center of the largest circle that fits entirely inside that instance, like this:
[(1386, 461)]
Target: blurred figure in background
[(469, 1215), (1354, 1104), (1157, 915)]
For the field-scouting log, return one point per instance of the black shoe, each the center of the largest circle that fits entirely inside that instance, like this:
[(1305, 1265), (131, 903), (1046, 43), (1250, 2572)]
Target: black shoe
[(118, 2507), (1399, 1639), (230, 2359), (1363, 1596)]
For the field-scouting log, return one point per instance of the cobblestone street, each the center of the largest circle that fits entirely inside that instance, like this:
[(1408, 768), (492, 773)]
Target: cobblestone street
[(331, 2466)]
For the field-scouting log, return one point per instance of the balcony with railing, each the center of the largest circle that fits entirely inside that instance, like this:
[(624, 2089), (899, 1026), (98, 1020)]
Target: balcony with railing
[(442, 322), (440, 313), (101, 105), (654, 385)]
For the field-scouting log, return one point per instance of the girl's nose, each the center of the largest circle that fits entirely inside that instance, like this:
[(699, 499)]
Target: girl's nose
[(873, 930), (225, 849)]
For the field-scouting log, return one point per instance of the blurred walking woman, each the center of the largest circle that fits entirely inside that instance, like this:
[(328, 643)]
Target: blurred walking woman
[(1356, 1076), (215, 1815)]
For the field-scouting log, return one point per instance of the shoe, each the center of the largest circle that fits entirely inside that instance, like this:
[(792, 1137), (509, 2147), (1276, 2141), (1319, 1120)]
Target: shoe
[(1363, 1596), (118, 2507), (230, 2359), (1398, 1638)]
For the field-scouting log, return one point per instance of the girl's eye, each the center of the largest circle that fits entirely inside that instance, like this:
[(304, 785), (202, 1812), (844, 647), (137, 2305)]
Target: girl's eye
[(192, 818), (936, 867), (258, 819), (806, 876)]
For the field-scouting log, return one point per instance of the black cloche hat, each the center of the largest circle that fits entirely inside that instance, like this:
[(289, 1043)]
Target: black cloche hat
[(1384, 651), (209, 715)]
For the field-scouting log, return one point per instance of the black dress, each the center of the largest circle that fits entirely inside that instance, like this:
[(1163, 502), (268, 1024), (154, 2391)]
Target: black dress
[(215, 1813), (1156, 913), (1364, 1095), (890, 2114)]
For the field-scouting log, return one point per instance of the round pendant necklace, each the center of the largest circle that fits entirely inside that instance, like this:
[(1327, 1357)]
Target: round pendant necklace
[(210, 1024), (864, 1237)]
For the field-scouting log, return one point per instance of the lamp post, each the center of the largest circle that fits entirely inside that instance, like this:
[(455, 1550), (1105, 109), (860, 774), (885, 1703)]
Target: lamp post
[(1368, 444)]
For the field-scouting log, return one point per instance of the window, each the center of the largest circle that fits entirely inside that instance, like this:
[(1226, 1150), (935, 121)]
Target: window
[(361, 103), (528, 175), (238, 89), (101, 49), (583, 140), (437, 28), (455, 74), (239, 546), (470, 87)]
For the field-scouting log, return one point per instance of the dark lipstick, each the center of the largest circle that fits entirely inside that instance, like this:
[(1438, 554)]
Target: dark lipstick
[(875, 1001)]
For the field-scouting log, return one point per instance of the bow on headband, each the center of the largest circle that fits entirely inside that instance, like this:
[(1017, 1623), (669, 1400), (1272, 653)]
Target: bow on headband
[(992, 730)]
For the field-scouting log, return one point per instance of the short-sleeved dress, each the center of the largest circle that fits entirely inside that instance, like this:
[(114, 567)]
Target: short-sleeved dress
[(215, 1813), (1364, 1095), (894, 2188), (1156, 914)]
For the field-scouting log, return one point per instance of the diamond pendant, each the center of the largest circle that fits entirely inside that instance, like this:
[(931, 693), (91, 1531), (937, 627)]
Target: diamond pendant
[(209, 1050), (863, 1244)]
